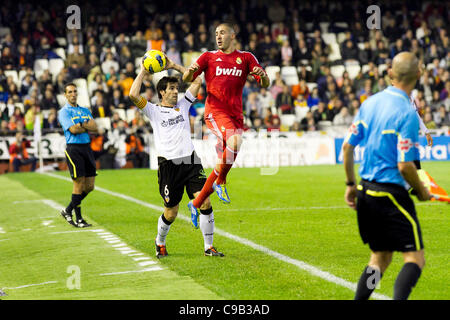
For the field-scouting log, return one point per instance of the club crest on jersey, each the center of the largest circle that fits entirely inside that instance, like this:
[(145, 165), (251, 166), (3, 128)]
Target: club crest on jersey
[(238, 60), (228, 71), (223, 129), (353, 129), (405, 145)]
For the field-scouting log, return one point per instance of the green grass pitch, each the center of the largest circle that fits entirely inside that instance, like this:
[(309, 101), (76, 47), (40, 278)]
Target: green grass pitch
[(298, 213)]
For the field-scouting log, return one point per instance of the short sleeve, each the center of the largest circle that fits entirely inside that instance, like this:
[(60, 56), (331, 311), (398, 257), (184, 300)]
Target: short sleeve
[(408, 138), (356, 131), (64, 119), (148, 110), (202, 61)]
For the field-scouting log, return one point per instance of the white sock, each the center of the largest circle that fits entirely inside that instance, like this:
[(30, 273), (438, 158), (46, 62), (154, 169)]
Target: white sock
[(163, 230), (207, 227)]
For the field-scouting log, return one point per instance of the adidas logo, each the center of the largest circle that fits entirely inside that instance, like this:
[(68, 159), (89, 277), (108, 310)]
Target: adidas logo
[(218, 59)]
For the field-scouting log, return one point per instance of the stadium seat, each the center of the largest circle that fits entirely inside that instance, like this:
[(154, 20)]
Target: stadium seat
[(55, 67), (324, 125), (45, 113), (61, 52), (22, 74), (39, 66), (343, 25), (61, 41), (430, 66), (381, 68), (4, 31), (137, 63), (353, 70), (324, 27), (335, 53), (337, 71), (61, 99), (300, 113), (329, 38), (365, 68), (287, 120), (104, 123), (20, 106), (122, 113), (361, 45), (14, 75), (341, 37), (289, 75), (130, 114), (272, 72), (311, 86)]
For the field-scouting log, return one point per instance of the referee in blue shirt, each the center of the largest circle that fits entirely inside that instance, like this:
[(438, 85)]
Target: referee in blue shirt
[(386, 128), (76, 122)]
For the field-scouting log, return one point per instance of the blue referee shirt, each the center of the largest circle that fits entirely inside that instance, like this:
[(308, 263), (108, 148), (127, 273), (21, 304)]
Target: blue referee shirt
[(69, 116), (387, 129)]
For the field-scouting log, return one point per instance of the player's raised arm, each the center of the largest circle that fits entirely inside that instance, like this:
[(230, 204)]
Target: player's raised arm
[(135, 89), (189, 73), (195, 86), (172, 65)]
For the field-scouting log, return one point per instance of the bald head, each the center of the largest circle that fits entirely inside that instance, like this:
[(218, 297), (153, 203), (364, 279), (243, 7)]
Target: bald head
[(405, 68)]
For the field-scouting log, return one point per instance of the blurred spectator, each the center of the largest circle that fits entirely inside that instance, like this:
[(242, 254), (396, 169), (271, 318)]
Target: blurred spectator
[(4, 128), (19, 155), (441, 117), (253, 107), (30, 117), (51, 123), (76, 57), (109, 63), (343, 118), (48, 101), (428, 121), (284, 102), (313, 98), (138, 45), (134, 145), (322, 113), (7, 60)]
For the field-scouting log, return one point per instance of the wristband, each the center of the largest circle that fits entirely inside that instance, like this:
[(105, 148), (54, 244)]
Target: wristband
[(349, 183)]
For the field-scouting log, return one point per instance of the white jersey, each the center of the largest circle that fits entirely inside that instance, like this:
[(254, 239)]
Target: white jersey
[(171, 128), (422, 126)]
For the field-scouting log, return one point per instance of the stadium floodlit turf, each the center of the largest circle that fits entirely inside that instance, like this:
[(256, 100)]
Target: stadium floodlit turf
[(275, 231)]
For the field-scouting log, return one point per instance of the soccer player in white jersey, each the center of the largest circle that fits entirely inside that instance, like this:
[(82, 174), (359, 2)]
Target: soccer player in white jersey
[(178, 164)]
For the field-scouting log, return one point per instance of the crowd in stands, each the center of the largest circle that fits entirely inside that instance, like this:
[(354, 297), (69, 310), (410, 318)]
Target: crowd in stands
[(322, 59)]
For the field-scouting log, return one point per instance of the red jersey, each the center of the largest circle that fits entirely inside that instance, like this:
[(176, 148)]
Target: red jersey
[(225, 76)]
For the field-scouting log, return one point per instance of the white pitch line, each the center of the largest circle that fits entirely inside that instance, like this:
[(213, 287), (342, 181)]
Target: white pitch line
[(300, 264), (30, 285), (146, 263), (133, 271), (4, 240)]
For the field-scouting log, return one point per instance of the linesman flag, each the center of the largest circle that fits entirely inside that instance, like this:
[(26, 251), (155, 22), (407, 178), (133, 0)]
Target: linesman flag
[(435, 190)]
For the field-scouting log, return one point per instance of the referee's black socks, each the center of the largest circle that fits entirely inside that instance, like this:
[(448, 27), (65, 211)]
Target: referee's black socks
[(406, 280), (75, 204), (367, 283)]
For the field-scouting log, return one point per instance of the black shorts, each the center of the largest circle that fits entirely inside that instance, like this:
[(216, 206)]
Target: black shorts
[(80, 160), (387, 218), (177, 174)]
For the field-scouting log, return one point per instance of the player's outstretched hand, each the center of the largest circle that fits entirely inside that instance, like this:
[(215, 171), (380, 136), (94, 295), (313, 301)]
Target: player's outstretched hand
[(350, 196), (169, 63), (193, 67), (142, 66), (258, 71)]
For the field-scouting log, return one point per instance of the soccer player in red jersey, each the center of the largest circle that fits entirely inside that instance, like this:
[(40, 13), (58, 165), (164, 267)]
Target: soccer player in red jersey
[(226, 72)]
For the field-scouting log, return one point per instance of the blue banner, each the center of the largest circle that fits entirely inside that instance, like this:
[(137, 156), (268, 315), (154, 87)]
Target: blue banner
[(440, 151)]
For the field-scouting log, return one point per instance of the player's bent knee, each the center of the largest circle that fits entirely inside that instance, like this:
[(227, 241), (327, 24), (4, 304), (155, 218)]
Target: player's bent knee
[(416, 257)]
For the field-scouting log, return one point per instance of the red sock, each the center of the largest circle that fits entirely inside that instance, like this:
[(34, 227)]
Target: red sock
[(206, 190), (228, 158)]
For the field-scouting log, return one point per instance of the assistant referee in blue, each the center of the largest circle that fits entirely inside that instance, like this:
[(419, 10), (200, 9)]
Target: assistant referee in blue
[(77, 122), (386, 128)]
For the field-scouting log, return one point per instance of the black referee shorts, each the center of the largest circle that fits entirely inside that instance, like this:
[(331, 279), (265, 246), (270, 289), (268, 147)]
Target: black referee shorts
[(80, 160), (387, 218), (177, 174)]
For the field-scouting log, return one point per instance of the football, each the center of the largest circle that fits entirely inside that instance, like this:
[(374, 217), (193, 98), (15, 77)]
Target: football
[(154, 61)]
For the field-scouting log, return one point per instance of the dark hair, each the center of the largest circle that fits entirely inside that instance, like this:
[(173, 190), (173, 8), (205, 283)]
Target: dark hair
[(227, 24), (68, 85), (162, 84)]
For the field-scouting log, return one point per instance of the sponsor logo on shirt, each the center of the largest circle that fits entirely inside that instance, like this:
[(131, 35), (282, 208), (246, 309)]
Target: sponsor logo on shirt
[(172, 121), (405, 145), (228, 71)]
